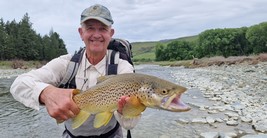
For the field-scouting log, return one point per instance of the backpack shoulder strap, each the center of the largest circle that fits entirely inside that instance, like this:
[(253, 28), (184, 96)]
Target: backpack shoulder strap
[(127, 46), (68, 81), (112, 62)]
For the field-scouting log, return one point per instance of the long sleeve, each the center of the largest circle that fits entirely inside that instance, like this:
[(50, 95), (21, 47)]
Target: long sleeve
[(27, 87)]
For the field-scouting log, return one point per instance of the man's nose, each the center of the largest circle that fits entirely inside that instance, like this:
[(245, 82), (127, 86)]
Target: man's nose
[(96, 34)]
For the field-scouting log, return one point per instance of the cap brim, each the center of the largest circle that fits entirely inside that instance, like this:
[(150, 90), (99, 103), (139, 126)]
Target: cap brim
[(104, 21)]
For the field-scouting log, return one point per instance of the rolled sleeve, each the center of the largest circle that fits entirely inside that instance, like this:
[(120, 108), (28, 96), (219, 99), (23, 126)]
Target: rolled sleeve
[(27, 87)]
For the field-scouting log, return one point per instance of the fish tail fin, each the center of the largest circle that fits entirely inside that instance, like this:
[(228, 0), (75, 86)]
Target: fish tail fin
[(80, 119), (102, 119)]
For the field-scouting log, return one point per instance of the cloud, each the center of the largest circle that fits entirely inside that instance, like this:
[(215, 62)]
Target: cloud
[(138, 20)]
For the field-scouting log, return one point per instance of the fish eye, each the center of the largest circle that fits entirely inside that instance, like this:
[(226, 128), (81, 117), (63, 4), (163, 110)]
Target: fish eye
[(164, 92)]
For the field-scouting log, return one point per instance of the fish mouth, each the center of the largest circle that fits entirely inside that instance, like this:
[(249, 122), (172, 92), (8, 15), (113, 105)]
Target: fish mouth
[(174, 103)]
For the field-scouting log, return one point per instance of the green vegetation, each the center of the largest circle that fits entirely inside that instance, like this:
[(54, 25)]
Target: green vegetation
[(20, 41), (145, 51), (214, 42)]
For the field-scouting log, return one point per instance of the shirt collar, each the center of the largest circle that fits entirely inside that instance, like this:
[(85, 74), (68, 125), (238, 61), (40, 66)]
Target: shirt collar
[(100, 67)]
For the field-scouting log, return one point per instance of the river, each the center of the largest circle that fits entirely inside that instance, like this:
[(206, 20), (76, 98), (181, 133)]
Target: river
[(18, 121)]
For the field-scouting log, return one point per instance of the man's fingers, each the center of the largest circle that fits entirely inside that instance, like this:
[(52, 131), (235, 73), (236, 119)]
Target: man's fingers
[(74, 109), (71, 114)]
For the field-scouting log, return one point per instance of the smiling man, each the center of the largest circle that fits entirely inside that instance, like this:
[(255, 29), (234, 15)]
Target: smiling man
[(40, 87)]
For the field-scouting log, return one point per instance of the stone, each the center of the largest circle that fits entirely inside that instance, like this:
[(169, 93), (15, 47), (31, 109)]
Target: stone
[(212, 111), (231, 114), (246, 119), (210, 120), (219, 120), (255, 136), (209, 135), (230, 135), (199, 120), (184, 121), (232, 123), (260, 126)]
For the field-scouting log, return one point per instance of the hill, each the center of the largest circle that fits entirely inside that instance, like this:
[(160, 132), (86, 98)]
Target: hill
[(145, 51)]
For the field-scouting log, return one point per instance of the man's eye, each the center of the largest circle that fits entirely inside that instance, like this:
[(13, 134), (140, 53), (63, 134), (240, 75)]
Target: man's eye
[(103, 29), (89, 28)]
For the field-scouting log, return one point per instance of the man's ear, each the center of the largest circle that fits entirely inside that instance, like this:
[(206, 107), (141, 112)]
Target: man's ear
[(80, 30), (112, 31)]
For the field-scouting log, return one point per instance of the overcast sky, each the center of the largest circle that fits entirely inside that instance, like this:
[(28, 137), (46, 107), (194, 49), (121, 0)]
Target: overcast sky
[(138, 20)]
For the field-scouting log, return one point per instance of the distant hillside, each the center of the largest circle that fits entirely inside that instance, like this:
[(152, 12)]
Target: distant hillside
[(145, 51)]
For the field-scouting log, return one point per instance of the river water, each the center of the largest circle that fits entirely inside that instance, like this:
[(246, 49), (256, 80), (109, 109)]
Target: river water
[(18, 121)]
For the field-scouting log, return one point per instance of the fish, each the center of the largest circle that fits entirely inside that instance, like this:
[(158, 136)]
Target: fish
[(144, 91)]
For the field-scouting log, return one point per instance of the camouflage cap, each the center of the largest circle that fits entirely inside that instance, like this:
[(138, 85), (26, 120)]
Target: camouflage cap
[(97, 12)]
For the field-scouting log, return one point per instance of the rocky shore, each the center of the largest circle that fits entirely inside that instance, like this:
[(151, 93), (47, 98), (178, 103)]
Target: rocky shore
[(239, 95)]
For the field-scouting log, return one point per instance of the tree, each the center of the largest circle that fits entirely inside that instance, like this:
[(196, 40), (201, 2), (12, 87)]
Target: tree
[(257, 38), (20, 41), (27, 47), (3, 39), (178, 50), (160, 55)]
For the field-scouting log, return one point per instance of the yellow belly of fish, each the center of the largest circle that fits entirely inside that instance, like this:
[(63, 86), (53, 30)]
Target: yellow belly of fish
[(104, 113)]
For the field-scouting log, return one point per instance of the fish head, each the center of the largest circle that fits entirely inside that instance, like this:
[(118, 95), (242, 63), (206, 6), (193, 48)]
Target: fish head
[(166, 95)]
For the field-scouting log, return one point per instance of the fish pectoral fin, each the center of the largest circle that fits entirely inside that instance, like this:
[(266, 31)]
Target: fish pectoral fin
[(133, 107), (78, 120), (102, 119)]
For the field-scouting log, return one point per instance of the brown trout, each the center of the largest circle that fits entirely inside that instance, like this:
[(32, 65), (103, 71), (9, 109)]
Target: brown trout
[(143, 90)]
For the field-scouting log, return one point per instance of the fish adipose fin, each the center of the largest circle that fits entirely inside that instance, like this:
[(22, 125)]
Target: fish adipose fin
[(80, 119), (102, 119)]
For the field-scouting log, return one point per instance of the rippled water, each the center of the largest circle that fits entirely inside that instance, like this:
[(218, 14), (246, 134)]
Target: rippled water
[(18, 121)]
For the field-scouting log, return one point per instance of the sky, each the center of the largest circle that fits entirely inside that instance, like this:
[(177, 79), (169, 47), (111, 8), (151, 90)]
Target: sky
[(137, 20)]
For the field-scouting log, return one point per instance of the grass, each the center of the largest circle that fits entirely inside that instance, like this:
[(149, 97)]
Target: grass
[(15, 64), (5, 64), (145, 51)]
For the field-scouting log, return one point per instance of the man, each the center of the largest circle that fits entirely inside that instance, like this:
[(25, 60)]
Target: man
[(39, 87)]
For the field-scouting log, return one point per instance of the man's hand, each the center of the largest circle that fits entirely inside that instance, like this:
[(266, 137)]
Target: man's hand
[(122, 101), (130, 106), (59, 103), (129, 111)]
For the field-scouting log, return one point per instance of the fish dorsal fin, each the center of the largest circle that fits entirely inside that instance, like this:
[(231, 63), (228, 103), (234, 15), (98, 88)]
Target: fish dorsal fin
[(78, 120), (102, 119), (103, 78)]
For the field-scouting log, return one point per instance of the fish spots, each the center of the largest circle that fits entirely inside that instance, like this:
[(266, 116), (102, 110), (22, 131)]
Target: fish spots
[(105, 95)]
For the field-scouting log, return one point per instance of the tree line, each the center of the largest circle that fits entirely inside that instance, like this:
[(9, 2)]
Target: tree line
[(19, 41), (217, 42)]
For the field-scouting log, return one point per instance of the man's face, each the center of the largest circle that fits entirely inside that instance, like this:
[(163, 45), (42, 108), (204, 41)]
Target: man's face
[(96, 36)]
